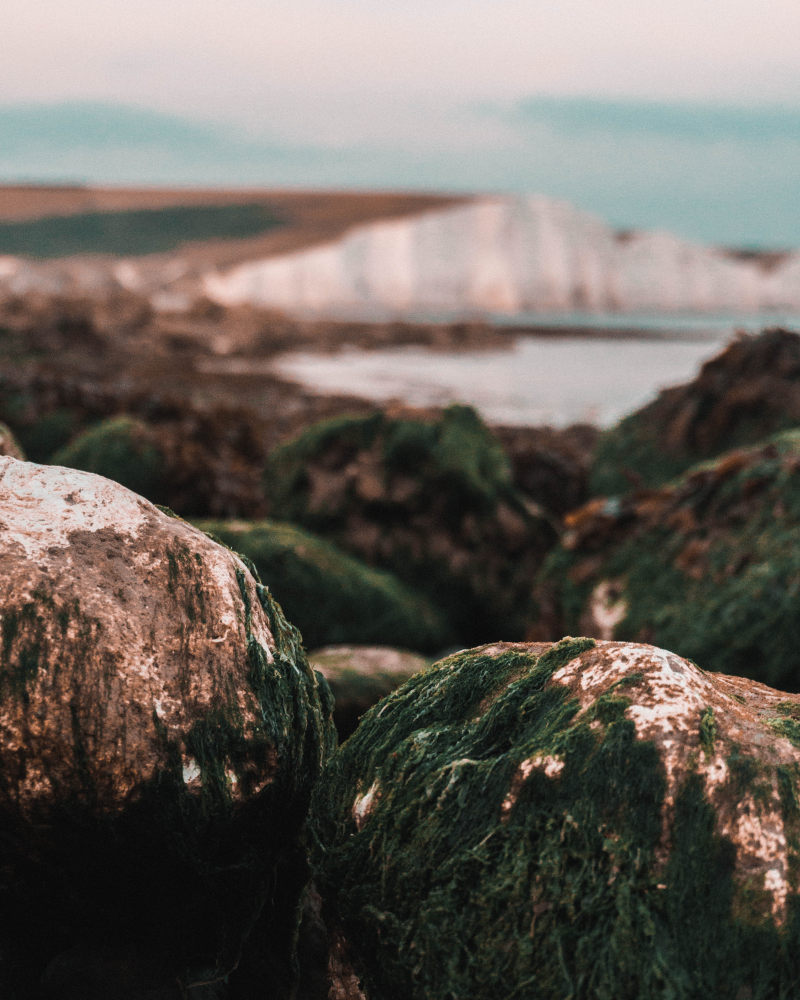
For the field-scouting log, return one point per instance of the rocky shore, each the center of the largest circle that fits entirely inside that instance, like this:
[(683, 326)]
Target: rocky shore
[(535, 816)]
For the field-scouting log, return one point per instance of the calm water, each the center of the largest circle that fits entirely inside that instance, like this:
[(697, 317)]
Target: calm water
[(597, 377)]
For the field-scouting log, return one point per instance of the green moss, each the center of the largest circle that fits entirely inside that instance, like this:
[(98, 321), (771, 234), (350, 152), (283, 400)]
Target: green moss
[(468, 880), (631, 454), (708, 732), (122, 449), (749, 391), (332, 597), (134, 231), (790, 728), (731, 608), (428, 500), (25, 644), (192, 878)]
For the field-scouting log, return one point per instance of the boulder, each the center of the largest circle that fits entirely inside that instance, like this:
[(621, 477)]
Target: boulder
[(429, 498), (550, 466), (121, 448), (160, 731), (359, 676), (707, 566), (199, 456), (584, 819), (329, 595), (746, 393)]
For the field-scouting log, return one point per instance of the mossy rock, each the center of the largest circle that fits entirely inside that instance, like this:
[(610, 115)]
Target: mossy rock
[(428, 498), (708, 566), (746, 393), (122, 448), (330, 596), (550, 466), (8, 443), (359, 676), (585, 820), (199, 456), (160, 732)]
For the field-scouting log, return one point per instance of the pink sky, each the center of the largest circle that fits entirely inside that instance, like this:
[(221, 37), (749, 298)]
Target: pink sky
[(356, 67)]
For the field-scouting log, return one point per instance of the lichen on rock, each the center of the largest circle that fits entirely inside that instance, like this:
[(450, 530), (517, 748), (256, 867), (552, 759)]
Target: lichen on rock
[(160, 731), (584, 819)]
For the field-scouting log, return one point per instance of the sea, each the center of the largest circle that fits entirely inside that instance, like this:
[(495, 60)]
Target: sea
[(564, 369)]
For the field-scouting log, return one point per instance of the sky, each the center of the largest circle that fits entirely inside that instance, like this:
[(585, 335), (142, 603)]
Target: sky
[(443, 93), (336, 67)]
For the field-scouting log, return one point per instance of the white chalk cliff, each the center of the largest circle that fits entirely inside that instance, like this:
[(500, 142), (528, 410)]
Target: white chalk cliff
[(506, 255), (488, 255)]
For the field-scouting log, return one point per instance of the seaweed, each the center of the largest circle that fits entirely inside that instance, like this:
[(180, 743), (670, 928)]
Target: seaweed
[(329, 596), (480, 837), (429, 499), (706, 567)]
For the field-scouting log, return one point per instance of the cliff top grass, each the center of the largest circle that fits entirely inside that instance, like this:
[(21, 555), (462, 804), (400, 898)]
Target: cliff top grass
[(132, 232)]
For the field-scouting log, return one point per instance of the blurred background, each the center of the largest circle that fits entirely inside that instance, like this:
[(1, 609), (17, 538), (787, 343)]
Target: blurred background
[(675, 115)]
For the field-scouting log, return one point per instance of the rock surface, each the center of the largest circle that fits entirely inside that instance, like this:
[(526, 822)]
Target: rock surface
[(428, 497), (707, 566), (747, 392), (592, 819), (328, 595), (160, 731), (359, 676)]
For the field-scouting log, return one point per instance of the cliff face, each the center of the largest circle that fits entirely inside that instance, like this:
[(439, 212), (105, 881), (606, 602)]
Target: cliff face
[(507, 254), (493, 254)]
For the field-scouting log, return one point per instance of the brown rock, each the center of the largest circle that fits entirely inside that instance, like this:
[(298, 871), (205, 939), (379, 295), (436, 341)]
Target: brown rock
[(747, 392), (524, 816), (550, 466), (159, 732), (707, 565)]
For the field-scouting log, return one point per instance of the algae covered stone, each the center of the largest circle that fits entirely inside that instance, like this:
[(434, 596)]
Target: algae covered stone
[(359, 676), (707, 566), (330, 596), (160, 731), (746, 393), (584, 819), (428, 497)]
